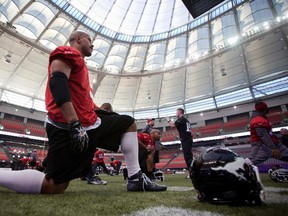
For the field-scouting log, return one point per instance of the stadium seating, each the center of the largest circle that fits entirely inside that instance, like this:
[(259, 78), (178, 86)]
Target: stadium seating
[(165, 157), (236, 125), (12, 125), (211, 129), (20, 150), (17, 126), (173, 159), (276, 118), (3, 156), (196, 132), (170, 135), (167, 160), (178, 163), (36, 129)]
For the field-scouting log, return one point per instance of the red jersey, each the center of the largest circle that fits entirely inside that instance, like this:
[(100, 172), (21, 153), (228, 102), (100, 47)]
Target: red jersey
[(145, 138), (260, 122), (98, 157), (79, 86), (115, 163), (25, 160)]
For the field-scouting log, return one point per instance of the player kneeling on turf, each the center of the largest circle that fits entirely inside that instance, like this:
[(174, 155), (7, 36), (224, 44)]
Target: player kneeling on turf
[(75, 129)]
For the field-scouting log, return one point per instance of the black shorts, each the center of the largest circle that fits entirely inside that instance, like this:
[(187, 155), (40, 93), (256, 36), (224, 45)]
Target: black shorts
[(32, 163), (63, 164), (142, 157), (156, 157)]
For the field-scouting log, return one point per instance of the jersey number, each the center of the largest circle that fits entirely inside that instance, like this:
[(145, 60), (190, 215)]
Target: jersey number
[(188, 127)]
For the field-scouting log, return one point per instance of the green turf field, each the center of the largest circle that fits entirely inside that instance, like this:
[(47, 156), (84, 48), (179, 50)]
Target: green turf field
[(113, 199)]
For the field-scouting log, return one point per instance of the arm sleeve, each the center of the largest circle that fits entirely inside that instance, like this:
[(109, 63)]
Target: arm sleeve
[(59, 88), (265, 137)]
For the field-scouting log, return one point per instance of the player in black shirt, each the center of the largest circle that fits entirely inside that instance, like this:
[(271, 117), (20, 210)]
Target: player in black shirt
[(184, 128)]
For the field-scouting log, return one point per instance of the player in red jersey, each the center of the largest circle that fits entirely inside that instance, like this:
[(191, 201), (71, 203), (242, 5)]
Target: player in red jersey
[(75, 130), (264, 144), (24, 162), (147, 151), (98, 161), (116, 164)]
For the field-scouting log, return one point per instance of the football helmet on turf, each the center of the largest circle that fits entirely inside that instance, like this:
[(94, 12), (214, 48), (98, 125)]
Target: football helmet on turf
[(221, 176), (278, 173), (159, 175)]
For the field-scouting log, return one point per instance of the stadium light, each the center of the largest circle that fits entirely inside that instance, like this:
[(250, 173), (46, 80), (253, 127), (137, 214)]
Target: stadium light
[(256, 29), (233, 40), (196, 57), (205, 53), (266, 25)]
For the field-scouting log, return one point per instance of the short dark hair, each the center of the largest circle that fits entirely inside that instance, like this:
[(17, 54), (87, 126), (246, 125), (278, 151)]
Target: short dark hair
[(181, 110)]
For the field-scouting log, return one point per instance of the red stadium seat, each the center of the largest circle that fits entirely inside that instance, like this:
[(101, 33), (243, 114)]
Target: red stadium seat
[(13, 126), (275, 118), (3, 155), (236, 125), (36, 129), (210, 130)]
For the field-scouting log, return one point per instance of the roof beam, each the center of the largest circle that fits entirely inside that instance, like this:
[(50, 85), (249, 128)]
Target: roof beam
[(140, 17), (212, 64), (152, 30), (20, 12), (243, 53), (125, 15), (137, 92)]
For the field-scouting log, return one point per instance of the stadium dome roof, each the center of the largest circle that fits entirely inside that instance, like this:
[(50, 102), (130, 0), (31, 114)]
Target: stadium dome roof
[(150, 56), (136, 17)]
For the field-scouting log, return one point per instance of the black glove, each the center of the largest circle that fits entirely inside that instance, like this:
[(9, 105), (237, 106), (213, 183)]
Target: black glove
[(78, 136)]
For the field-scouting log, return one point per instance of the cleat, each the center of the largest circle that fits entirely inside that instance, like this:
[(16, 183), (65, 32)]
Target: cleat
[(97, 181), (140, 182)]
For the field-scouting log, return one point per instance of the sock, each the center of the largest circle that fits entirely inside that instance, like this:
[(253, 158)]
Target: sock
[(26, 181), (129, 145)]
